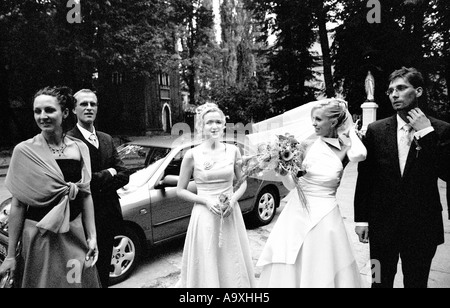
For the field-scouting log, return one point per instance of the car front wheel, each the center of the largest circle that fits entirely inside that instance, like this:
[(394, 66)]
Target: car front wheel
[(127, 252)]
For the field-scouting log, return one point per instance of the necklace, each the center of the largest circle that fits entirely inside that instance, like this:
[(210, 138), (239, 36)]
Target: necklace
[(58, 151)]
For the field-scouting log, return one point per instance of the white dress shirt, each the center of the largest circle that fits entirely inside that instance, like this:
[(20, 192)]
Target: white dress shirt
[(418, 135), (87, 135)]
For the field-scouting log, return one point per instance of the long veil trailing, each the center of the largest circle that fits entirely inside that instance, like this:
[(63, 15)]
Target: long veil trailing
[(296, 122)]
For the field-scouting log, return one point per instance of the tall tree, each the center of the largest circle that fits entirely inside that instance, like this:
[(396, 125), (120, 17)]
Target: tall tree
[(290, 58), (403, 38), (242, 90), (437, 57), (321, 11), (39, 47), (442, 8), (195, 20), (237, 43)]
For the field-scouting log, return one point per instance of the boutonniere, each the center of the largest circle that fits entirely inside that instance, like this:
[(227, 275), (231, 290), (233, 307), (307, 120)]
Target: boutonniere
[(418, 147)]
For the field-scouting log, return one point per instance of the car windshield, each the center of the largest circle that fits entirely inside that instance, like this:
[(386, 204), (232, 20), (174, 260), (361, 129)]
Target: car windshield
[(136, 157), (142, 167)]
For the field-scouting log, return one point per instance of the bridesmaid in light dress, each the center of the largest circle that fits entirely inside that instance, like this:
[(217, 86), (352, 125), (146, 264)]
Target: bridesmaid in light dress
[(216, 251)]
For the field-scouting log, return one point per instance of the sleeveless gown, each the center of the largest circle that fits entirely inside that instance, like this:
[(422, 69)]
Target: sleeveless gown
[(211, 258), (311, 249), (53, 260)]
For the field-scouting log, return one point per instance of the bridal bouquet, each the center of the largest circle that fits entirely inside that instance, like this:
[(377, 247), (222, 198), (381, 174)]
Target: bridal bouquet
[(285, 156)]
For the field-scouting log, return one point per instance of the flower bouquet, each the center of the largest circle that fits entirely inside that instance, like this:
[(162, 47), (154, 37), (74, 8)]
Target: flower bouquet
[(284, 156)]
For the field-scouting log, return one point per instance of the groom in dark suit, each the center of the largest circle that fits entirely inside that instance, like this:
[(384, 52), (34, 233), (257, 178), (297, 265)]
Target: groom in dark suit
[(108, 175), (397, 202)]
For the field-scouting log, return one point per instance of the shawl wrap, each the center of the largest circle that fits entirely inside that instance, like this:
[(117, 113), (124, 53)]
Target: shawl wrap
[(35, 179)]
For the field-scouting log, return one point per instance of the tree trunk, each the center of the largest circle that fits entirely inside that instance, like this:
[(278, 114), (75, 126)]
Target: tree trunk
[(415, 25), (327, 63)]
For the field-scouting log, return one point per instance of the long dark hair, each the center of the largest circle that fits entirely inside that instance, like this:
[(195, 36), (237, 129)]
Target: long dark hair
[(65, 99)]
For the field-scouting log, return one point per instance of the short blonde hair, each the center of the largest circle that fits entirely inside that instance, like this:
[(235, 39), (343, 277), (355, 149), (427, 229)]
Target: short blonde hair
[(86, 91), (334, 108)]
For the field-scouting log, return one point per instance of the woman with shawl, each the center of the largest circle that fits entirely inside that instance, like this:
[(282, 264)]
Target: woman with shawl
[(52, 213)]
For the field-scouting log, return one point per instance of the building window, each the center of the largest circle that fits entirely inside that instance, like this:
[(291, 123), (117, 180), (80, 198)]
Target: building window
[(164, 80), (117, 78), (165, 94)]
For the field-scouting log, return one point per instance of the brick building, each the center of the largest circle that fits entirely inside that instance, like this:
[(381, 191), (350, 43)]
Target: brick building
[(140, 105)]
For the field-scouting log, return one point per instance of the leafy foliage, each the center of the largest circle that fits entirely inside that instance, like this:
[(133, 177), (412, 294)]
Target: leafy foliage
[(411, 33), (261, 66)]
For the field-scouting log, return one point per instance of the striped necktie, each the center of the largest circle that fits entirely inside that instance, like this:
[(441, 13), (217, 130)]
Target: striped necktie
[(406, 138), (93, 140)]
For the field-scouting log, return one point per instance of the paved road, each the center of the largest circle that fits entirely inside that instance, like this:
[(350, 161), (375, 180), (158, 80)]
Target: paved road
[(161, 268)]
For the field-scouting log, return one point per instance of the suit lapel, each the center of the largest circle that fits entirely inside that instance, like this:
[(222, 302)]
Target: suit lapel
[(411, 158), (77, 134), (102, 142), (392, 144), (103, 148)]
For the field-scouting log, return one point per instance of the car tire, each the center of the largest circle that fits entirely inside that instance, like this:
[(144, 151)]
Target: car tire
[(127, 253), (265, 207)]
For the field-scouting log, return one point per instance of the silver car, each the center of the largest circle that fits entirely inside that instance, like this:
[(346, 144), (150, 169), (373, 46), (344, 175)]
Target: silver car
[(152, 211)]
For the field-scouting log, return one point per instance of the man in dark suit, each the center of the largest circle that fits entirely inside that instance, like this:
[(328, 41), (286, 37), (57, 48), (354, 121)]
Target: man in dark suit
[(108, 175), (397, 202)]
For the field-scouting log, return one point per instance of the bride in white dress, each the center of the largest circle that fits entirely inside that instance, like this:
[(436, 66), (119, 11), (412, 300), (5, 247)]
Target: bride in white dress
[(310, 248)]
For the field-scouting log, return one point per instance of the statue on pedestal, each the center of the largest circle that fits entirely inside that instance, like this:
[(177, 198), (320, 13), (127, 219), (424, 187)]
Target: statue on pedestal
[(370, 87)]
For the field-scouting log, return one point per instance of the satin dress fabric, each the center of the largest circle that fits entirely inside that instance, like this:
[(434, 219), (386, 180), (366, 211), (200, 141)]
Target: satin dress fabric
[(57, 260), (216, 252), (311, 248)]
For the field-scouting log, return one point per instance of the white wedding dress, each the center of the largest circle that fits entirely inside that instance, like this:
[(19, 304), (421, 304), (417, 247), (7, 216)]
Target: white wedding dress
[(311, 249), (211, 259)]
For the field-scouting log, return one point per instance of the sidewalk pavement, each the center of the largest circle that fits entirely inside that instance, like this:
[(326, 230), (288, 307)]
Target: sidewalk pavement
[(440, 269)]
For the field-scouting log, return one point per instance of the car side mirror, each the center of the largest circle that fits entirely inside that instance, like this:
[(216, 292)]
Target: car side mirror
[(168, 181)]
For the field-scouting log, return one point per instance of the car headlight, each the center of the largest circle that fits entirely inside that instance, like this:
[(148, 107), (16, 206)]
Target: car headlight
[(5, 209)]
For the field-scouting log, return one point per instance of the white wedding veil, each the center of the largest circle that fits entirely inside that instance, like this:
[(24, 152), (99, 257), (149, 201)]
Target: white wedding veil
[(296, 122)]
